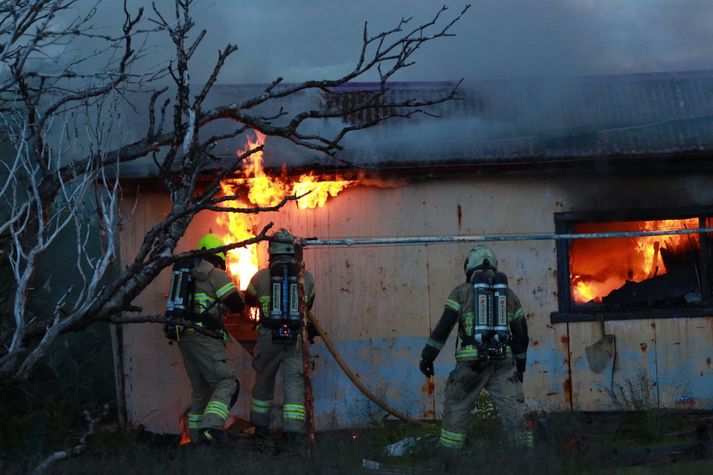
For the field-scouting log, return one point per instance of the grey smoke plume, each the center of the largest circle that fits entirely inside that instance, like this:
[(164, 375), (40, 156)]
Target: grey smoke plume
[(497, 38)]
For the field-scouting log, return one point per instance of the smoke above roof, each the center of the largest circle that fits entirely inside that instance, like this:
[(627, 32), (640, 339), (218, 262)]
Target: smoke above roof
[(313, 39), (496, 39)]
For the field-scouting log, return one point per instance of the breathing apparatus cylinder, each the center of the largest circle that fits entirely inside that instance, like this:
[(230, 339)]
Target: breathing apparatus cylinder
[(285, 318), (180, 291), (483, 307), (491, 332), (500, 297)]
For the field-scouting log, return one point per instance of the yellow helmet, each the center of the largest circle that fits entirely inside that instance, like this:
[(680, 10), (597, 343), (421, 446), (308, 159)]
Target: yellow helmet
[(211, 241)]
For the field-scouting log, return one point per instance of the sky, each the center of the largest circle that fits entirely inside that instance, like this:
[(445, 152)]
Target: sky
[(312, 39), (496, 39)]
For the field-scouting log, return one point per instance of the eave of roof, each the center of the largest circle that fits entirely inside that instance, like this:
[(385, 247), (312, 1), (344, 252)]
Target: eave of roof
[(517, 122)]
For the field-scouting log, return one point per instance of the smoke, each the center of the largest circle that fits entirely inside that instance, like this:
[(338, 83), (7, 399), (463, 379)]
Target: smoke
[(313, 39), (497, 40)]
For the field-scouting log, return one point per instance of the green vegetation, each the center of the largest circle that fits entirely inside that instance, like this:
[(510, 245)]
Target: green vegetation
[(45, 413), (566, 443)]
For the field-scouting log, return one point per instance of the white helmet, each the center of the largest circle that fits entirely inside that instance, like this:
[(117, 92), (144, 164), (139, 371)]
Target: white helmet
[(281, 244), (480, 257)]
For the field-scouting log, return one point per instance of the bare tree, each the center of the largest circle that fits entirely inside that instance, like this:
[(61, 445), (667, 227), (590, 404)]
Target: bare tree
[(57, 120)]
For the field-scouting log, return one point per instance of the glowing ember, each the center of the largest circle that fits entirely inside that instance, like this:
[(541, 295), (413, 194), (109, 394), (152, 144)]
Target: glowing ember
[(599, 266), (264, 190)]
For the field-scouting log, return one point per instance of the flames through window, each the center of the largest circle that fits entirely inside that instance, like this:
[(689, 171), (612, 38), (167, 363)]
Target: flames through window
[(620, 273)]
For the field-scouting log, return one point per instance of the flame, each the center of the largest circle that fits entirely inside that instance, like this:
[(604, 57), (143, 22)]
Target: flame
[(316, 192), (582, 291), (599, 266), (648, 246), (183, 426), (264, 190)]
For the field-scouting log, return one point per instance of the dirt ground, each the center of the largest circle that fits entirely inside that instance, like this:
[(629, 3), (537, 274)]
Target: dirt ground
[(565, 444)]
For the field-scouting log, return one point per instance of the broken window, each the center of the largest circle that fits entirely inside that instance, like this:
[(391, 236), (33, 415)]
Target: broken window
[(633, 277)]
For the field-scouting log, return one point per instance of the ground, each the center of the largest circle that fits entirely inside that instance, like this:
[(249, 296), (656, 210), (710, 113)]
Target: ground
[(634, 443)]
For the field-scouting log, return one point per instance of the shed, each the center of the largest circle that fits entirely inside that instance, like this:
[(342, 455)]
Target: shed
[(515, 157)]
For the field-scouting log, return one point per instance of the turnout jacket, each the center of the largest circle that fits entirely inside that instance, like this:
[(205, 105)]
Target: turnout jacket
[(211, 284), (460, 308)]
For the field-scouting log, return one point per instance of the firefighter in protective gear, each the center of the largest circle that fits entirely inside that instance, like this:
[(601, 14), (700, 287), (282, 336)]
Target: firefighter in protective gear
[(213, 382), (501, 377), (270, 353)]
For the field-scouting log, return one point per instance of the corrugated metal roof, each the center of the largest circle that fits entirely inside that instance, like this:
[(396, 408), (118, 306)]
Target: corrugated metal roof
[(538, 120), (516, 121)]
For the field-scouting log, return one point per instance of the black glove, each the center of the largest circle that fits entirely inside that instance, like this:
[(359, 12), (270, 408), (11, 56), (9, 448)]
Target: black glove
[(211, 321), (426, 367), (311, 333)]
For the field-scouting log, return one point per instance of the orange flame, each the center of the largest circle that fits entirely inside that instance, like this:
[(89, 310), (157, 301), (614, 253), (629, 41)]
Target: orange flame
[(264, 190), (183, 426), (648, 246), (599, 266)]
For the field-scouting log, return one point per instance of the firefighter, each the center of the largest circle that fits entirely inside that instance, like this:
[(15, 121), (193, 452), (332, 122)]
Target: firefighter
[(213, 382), (481, 363), (278, 344)]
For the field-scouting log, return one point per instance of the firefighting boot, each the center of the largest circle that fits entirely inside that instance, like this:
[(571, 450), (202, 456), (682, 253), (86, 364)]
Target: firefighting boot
[(212, 437)]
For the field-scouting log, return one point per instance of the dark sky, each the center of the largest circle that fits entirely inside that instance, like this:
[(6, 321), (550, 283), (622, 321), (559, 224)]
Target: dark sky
[(497, 39), (308, 39), (313, 39)]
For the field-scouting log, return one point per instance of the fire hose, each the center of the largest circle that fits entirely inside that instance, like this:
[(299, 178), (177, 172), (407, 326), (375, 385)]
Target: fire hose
[(354, 378)]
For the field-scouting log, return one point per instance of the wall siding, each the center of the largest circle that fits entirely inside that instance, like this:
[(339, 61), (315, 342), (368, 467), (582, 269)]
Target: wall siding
[(379, 303)]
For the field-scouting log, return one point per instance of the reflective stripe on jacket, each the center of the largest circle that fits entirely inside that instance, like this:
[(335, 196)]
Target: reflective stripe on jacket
[(211, 284)]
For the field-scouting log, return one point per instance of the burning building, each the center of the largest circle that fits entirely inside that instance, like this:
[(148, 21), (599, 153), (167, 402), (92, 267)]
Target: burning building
[(615, 322)]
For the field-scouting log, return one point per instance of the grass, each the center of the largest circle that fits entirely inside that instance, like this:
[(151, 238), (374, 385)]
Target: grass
[(607, 443), (342, 452)]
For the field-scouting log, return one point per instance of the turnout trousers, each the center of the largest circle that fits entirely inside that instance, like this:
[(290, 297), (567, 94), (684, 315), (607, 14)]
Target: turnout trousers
[(268, 358), (499, 378), (212, 380)]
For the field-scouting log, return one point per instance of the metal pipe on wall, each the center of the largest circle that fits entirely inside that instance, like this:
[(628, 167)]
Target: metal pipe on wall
[(350, 242)]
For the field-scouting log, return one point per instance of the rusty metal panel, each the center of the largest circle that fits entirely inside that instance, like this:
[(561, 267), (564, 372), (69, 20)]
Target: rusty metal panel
[(547, 381), (684, 355), (149, 363), (376, 292), (379, 304), (533, 276), (372, 301), (629, 379)]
